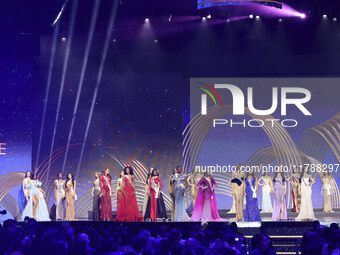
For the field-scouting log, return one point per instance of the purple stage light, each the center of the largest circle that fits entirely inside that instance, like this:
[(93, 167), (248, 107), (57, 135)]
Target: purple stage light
[(272, 12), (237, 18)]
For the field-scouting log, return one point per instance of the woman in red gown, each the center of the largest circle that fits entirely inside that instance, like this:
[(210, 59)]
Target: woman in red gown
[(132, 210), (106, 189), (121, 201), (155, 187)]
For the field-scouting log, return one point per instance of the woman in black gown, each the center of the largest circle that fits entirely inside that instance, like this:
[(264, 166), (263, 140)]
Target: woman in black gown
[(161, 211)]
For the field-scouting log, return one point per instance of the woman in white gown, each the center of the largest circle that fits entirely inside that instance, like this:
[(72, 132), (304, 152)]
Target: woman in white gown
[(266, 190), (306, 208)]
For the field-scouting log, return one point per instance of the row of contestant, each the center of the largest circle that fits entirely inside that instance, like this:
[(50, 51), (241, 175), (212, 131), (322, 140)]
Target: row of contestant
[(127, 208), (247, 185)]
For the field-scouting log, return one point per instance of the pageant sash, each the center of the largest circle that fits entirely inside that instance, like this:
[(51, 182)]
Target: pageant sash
[(211, 188), (72, 190), (181, 179), (253, 189), (131, 182), (307, 185), (108, 184), (155, 186)]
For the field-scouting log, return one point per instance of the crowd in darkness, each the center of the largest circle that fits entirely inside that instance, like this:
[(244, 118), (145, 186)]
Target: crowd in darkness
[(34, 238)]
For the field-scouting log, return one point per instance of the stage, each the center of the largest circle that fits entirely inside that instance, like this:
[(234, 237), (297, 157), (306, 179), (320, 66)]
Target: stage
[(325, 219)]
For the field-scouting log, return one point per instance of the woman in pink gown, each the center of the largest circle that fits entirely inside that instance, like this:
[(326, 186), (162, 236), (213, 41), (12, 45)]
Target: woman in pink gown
[(205, 206)]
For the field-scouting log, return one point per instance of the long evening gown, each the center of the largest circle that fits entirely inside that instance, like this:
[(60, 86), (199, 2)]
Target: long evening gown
[(180, 211), (60, 199), (28, 209), (280, 205), (42, 211), (295, 194), (172, 196), (96, 201), (146, 194), (327, 188), (155, 186), (238, 195), (266, 200), (105, 203), (306, 209), (70, 197), (252, 212), (160, 205), (121, 204), (132, 210), (205, 207)]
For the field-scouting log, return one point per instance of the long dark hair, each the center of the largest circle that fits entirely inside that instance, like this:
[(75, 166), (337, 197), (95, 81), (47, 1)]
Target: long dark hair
[(27, 173), (130, 168), (109, 175), (35, 177), (282, 176), (148, 175), (152, 174), (67, 179), (173, 171), (251, 174)]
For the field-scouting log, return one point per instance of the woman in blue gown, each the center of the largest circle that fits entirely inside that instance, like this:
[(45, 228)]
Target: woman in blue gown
[(41, 213), (26, 189), (252, 212), (180, 185)]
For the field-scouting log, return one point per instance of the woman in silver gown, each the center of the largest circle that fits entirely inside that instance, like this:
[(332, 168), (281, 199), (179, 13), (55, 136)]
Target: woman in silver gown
[(59, 196), (96, 194)]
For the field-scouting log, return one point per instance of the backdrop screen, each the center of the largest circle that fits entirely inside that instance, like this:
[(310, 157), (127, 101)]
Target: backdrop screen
[(201, 4)]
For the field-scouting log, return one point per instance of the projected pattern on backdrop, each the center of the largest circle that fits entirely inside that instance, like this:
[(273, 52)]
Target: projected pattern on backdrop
[(137, 119), (204, 146), (15, 132)]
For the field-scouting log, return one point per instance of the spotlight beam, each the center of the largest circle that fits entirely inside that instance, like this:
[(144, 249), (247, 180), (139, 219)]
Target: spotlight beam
[(60, 13), (99, 77), (82, 74), (49, 77), (62, 83)]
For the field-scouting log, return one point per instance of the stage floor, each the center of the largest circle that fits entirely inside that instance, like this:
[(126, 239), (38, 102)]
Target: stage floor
[(325, 218)]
